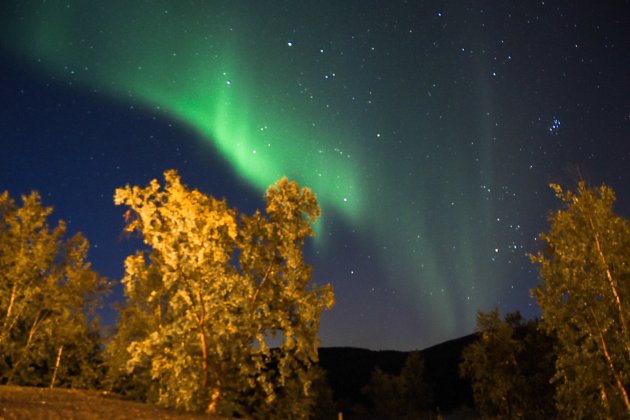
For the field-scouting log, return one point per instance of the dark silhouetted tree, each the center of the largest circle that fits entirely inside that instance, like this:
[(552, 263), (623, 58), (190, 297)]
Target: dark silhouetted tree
[(402, 396), (510, 367)]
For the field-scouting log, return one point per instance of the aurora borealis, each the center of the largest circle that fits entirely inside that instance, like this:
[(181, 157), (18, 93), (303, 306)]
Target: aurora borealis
[(220, 88), (428, 131)]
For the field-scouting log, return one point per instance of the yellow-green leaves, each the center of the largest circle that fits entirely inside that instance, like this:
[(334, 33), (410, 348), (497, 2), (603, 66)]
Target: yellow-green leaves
[(216, 292), (47, 292), (585, 299)]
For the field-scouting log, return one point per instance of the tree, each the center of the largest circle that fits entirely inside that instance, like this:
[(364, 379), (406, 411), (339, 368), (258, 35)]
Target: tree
[(584, 296), (402, 396), (491, 364), (510, 366), (48, 293), (213, 292)]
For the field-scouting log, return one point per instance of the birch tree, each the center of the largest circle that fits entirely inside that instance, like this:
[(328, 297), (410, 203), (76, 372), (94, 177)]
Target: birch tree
[(585, 300), (212, 292), (47, 294)]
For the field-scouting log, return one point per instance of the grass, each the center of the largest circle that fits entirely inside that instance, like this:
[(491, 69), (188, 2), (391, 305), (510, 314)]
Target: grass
[(18, 402)]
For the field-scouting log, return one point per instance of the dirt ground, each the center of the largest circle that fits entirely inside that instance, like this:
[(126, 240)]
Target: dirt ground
[(61, 404)]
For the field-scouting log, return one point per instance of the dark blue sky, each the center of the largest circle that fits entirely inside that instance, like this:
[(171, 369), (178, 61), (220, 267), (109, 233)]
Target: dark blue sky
[(429, 132)]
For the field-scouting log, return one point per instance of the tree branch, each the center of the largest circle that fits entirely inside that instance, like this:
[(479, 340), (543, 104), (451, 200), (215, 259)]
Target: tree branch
[(264, 279)]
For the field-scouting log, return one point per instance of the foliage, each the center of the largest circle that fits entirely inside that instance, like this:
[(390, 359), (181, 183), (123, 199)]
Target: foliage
[(509, 366), (47, 294), (212, 294), (325, 406), (491, 364), (403, 396), (585, 299)]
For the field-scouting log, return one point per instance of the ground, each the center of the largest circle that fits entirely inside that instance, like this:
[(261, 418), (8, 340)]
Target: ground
[(61, 404)]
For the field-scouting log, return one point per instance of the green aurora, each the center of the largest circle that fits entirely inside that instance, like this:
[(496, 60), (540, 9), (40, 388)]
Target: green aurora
[(207, 72), (203, 77)]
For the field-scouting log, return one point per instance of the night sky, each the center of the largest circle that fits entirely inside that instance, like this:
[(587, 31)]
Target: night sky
[(428, 130)]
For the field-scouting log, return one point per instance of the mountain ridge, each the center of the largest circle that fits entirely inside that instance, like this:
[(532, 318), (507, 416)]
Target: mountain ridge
[(349, 370)]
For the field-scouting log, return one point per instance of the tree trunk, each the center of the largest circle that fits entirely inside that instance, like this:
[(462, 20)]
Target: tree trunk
[(6, 328), (215, 396), (609, 361), (611, 283), (52, 381), (200, 315), (10, 308), (201, 319), (204, 352), (31, 334)]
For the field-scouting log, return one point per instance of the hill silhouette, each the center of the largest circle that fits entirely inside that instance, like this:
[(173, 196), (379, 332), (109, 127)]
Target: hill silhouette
[(349, 370)]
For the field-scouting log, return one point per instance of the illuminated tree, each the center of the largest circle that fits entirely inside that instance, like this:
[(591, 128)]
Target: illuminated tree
[(509, 367), (47, 293), (585, 299), (212, 294)]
